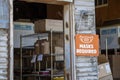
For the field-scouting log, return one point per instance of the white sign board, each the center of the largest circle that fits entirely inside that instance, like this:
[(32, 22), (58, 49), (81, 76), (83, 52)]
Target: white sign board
[(111, 34)]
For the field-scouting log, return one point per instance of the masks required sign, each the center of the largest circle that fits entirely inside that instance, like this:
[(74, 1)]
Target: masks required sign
[(87, 45)]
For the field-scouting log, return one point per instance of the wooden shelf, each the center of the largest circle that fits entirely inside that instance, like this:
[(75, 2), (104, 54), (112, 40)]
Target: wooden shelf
[(58, 2)]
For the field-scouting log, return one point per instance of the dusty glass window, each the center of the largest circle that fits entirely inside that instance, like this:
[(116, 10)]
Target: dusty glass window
[(105, 1), (100, 2)]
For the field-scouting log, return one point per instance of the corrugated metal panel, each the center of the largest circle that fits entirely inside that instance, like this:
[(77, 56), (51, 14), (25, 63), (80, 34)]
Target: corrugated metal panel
[(4, 14), (86, 67), (4, 23), (84, 16), (3, 55)]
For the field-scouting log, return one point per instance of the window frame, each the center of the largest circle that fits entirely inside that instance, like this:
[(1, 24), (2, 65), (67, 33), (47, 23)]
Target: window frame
[(104, 3)]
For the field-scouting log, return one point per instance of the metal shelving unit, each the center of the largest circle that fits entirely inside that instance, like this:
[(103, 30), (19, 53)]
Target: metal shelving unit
[(51, 55), (39, 37)]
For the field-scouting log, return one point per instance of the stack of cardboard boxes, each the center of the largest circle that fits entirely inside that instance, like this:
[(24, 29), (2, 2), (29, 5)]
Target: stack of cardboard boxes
[(59, 51), (42, 47), (48, 24)]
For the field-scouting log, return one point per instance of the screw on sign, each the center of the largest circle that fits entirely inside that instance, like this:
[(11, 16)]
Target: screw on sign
[(87, 45)]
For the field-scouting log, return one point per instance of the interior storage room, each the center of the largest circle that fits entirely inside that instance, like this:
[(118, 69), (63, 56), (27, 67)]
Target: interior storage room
[(109, 45), (38, 41), (108, 22)]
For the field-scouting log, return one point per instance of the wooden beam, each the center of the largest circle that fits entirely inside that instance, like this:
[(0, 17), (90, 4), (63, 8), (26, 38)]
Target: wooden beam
[(69, 31)]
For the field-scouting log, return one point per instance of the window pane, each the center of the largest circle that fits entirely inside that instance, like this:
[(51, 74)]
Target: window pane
[(99, 2), (105, 1), (95, 2)]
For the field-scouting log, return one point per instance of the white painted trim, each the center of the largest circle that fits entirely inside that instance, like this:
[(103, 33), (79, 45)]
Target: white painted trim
[(66, 32), (11, 40), (72, 40)]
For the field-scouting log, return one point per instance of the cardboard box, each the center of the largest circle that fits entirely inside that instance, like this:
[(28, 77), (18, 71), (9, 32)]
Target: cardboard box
[(115, 65), (102, 59), (23, 28), (58, 40), (109, 77), (48, 24), (104, 70), (59, 50), (42, 47), (58, 78), (46, 48)]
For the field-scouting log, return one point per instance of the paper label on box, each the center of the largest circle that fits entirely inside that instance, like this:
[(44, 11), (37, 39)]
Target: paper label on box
[(40, 57), (34, 59), (107, 67)]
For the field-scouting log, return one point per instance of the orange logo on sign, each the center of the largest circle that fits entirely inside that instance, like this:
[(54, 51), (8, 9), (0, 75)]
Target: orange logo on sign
[(87, 45)]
